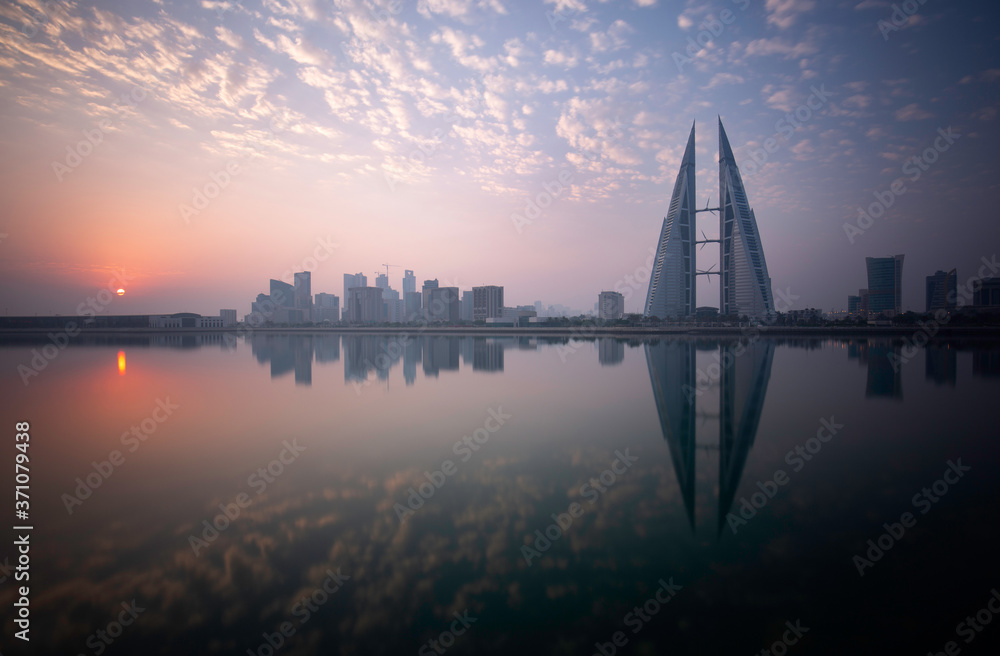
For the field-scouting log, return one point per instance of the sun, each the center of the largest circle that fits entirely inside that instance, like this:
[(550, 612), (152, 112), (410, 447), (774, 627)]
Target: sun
[(121, 292)]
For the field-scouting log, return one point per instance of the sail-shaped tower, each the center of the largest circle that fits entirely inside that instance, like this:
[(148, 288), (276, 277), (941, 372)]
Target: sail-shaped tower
[(672, 282), (745, 287)]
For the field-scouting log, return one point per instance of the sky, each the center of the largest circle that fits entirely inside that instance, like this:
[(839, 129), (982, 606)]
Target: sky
[(190, 151)]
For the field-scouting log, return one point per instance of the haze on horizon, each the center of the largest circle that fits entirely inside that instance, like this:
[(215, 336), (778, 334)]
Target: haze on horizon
[(409, 133)]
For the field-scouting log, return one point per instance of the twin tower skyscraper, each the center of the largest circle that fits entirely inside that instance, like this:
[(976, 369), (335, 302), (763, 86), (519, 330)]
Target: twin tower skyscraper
[(744, 285)]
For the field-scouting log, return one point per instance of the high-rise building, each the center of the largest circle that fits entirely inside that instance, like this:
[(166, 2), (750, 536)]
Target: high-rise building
[(863, 295), (672, 289), (382, 280), (426, 293), (465, 308), (487, 302), (412, 302), (326, 307), (443, 304), (853, 304), (986, 294), (610, 306), (409, 282), (303, 294), (350, 281), (745, 286), (942, 290), (885, 285), (391, 305), (365, 304), (282, 294)]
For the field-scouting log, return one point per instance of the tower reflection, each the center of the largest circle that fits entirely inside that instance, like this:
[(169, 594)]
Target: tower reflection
[(739, 372)]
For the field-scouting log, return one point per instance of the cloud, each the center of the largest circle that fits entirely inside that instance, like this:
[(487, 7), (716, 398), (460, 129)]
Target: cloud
[(784, 13), (912, 112)]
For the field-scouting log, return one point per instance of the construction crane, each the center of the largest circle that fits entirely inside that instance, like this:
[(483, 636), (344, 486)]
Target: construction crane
[(390, 265)]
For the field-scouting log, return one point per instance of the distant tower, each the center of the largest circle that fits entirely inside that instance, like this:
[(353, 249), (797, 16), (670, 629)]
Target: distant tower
[(745, 287), (672, 282), (303, 294), (885, 284), (409, 282)]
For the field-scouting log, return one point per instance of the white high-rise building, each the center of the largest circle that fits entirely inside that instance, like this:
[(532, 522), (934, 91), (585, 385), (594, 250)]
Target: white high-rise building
[(610, 306)]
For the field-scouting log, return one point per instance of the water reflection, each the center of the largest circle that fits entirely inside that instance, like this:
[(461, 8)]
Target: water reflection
[(883, 360), (461, 550), (741, 369)]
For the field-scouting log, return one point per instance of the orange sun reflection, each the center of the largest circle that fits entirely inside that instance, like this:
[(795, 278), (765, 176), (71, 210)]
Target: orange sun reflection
[(121, 363)]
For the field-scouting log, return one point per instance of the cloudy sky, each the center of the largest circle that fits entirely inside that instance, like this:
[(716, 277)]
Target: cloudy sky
[(205, 147)]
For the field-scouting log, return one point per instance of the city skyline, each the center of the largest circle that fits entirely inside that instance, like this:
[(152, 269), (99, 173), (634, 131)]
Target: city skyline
[(398, 135)]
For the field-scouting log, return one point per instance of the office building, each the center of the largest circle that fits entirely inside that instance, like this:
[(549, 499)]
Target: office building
[(465, 307), (412, 302), (942, 290), (885, 285), (365, 304), (487, 302), (391, 305), (326, 308), (853, 305), (409, 282), (303, 294), (610, 306), (228, 317), (986, 294), (351, 281), (382, 280), (426, 294), (442, 303)]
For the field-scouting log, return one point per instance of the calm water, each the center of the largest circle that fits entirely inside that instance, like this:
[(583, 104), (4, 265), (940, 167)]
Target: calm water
[(647, 451)]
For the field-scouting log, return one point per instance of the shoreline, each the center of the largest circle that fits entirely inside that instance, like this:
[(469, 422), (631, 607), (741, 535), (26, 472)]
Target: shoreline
[(555, 331)]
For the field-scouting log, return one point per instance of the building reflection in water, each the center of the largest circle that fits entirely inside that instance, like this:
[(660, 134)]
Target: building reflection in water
[(741, 373), (884, 360), (941, 363), (610, 351), (294, 353)]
